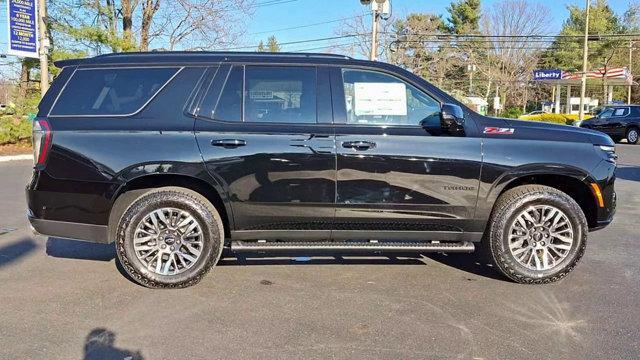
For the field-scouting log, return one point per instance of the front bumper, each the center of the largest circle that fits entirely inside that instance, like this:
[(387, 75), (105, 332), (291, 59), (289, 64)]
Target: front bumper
[(604, 176)]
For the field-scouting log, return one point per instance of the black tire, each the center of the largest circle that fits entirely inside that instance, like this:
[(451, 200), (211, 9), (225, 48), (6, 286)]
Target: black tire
[(508, 206), (632, 135), (179, 198)]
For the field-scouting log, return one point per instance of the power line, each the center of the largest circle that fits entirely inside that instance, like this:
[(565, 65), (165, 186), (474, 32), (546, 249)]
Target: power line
[(297, 42), (309, 25), (270, 3), (530, 36)]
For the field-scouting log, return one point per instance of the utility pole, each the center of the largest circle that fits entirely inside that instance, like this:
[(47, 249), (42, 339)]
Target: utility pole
[(471, 68), (374, 31), (44, 44), (585, 53), (629, 69)]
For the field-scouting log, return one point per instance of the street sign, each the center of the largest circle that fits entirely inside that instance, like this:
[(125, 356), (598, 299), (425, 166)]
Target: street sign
[(547, 74), (22, 28)]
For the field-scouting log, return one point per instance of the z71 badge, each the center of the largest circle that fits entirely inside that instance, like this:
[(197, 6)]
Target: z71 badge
[(498, 131)]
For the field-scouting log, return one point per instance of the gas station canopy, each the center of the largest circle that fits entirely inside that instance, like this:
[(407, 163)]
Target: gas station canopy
[(620, 76)]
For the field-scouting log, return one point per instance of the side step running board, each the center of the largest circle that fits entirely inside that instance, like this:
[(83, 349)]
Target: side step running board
[(417, 247)]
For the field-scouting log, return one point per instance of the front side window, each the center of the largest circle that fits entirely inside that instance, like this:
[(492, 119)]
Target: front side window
[(606, 113), (280, 94), (114, 91), (374, 98)]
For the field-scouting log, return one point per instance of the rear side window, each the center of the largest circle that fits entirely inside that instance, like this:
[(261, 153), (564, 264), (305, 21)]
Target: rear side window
[(229, 106), (114, 91), (280, 94), (621, 112)]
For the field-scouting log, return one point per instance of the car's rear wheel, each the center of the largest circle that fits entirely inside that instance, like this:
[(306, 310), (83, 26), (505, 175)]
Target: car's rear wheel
[(169, 237), (632, 135), (537, 234)]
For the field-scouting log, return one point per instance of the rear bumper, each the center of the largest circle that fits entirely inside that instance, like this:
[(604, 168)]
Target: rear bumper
[(69, 230)]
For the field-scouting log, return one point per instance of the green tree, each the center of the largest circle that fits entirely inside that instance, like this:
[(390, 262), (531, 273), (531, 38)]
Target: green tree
[(272, 44), (566, 53), (464, 17), (416, 50), (604, 52), (261, 47)]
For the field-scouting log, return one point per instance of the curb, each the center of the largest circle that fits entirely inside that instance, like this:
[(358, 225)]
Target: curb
[(16, 157)]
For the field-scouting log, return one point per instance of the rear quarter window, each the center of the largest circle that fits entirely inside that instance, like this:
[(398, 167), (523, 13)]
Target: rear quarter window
[(112, 91)]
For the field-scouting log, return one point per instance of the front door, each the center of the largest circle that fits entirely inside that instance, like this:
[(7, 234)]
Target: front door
[(398, 174), (266, 137)]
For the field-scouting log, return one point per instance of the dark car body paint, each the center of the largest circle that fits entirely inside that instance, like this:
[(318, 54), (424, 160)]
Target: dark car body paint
[(615, 126), (296, 181)]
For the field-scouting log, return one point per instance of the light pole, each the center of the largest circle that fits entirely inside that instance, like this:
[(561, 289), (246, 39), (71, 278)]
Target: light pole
[(377, 12), (44, 44), (585, 53), (630, 61)]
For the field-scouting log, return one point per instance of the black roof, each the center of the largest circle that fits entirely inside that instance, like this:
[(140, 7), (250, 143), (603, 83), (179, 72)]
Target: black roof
[(199, 57)]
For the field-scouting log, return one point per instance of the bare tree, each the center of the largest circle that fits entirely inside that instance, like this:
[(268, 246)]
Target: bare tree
[(357, 33), (125, 25), (200, 24), (510, 57)]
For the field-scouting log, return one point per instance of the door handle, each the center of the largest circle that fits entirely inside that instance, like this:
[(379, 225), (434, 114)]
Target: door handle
[(359, 145), (229, 143)]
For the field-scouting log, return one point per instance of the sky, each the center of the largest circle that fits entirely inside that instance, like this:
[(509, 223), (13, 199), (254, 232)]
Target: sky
[(293, 13), (274, 15)]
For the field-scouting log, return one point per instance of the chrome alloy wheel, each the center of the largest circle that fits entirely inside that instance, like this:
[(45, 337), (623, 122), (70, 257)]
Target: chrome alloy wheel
[(540, 237), (633, 135), (168, 241)]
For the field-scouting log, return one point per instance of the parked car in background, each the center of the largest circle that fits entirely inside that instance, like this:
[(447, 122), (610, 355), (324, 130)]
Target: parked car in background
[(532, 113), (617, 121), (175, 155), (535, 112)]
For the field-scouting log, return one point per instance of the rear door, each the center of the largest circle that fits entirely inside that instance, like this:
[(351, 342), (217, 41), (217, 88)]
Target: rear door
[(266, 136), (398, 174)]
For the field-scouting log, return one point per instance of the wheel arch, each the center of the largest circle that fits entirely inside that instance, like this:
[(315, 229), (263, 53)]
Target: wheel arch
[(577, 187), (135, 187)]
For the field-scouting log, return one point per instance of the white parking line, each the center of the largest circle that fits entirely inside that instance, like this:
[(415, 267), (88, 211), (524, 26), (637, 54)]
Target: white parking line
[(16, 157)]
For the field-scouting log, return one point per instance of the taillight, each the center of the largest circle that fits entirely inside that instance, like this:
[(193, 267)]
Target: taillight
[(41, 136)]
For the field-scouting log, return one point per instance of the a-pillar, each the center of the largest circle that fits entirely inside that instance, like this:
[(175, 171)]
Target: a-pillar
[(558, 95), (567, 109)]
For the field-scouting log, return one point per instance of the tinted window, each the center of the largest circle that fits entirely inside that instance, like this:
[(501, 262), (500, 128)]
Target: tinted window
[(606, 113), (110, 91), (377, 98), (621, 112), (227, 103), (280, 94)]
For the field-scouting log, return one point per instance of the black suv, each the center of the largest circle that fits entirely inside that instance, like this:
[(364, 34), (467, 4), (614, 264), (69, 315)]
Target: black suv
[(617, 121), (177, 156)]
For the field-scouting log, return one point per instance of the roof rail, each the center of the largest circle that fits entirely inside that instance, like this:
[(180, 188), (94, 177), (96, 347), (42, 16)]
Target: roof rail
[(193, 55), (227, 53)]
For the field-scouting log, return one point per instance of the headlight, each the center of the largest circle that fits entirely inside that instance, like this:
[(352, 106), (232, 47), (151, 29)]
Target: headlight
[(608, 152), (577, 123)]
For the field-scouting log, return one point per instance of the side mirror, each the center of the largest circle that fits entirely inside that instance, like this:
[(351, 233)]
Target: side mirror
[(451, 116)]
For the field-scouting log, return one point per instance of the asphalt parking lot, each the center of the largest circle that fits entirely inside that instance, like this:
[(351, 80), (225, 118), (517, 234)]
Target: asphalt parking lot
[(64, 299)]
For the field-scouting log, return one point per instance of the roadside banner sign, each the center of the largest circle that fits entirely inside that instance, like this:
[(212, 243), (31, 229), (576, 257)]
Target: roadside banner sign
[(22, 28), (547, 74)]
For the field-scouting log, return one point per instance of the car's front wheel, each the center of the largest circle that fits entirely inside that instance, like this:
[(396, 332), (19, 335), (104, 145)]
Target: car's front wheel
[(169, 237), (537, 234)]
